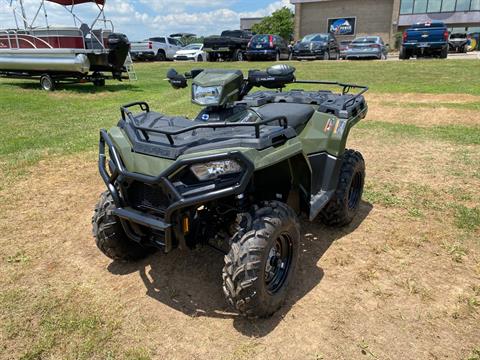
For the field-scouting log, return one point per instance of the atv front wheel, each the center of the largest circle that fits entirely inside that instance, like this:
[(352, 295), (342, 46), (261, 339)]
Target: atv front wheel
[(110, 236), (262, 259), (345, 203)]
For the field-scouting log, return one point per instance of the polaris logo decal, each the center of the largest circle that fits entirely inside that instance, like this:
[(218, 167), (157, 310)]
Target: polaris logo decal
[(341, 125)]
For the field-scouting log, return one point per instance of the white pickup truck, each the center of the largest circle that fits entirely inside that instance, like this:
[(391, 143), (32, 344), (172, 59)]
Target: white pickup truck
[(159, 48)]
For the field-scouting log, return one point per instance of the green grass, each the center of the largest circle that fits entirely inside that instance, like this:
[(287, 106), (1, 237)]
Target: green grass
[(37, 124), (68, 325), (467, 218), (466, 135)]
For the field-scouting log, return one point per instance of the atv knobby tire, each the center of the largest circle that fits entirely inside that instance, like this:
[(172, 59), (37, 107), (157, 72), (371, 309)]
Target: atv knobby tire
[(345, 203), (266, 245), (110, 236)]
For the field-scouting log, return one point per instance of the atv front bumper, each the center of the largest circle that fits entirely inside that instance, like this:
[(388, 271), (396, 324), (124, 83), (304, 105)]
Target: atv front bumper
[(164, 222)]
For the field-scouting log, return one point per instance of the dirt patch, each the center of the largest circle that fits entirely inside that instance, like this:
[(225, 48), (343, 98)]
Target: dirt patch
[(422, 117), (400, 109), (383, 287), (422, 98)]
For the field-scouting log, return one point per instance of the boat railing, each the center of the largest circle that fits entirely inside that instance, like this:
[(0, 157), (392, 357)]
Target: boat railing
[(35, 38)]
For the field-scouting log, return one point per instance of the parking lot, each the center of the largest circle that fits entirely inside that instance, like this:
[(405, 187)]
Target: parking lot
[(401, 282), (473, 55)]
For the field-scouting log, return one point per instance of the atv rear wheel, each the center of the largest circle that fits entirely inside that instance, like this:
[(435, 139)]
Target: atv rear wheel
[(262, 260), (345, 203), (110, 236)]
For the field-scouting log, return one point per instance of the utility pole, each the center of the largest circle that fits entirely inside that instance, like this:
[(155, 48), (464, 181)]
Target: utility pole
[(24, 17)]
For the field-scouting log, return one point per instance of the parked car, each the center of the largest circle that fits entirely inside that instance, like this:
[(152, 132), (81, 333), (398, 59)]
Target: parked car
[(473, 41), (156, 48), (317, 46), (268, 47), (425, 39), (458, 42), (343, 46), (367, 47), (230, 45), (192, 52)]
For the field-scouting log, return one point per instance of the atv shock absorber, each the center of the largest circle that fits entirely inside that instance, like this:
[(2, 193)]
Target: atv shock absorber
[(241, 201)]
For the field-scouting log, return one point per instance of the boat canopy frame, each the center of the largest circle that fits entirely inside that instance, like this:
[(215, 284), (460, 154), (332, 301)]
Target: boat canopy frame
[(69, 6)]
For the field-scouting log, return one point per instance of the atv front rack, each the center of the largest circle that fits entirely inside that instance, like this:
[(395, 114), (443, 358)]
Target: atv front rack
[(118, 174), (130, 119)]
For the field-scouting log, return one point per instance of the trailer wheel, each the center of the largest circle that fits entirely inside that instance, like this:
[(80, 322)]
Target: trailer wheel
[(47, 83), (99, 82)]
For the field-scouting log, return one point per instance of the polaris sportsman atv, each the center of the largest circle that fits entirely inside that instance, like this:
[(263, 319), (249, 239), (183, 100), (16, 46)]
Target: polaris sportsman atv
[(235, 178)]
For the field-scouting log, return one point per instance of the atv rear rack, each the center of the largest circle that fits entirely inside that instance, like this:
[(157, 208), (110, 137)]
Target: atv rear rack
[(345, 88), (128, 117)]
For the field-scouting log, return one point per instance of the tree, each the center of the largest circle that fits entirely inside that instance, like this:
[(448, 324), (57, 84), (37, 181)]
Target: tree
[(281, 22)]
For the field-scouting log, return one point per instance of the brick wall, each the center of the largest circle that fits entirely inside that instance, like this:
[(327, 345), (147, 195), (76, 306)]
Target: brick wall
[(374, 17)]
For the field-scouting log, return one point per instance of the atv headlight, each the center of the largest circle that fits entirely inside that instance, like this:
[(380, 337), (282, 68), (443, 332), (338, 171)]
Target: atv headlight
[(213, 169), (208, 95)]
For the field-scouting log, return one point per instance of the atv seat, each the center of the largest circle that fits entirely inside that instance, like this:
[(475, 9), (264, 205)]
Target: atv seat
[(297, 114)]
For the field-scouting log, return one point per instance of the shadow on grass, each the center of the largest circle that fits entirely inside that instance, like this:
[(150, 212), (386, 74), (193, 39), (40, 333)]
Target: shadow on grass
[(190, 281), (86, 88)]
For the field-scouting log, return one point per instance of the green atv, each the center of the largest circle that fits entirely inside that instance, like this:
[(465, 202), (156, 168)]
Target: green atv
[(234, 178)]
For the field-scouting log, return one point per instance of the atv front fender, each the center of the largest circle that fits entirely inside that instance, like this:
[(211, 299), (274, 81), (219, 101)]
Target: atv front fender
[(178, 200)]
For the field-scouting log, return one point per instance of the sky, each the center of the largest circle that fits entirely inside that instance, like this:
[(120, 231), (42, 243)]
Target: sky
[(141, 19)]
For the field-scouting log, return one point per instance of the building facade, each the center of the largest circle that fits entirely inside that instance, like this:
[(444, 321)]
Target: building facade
[(351, 18), (247, 23)]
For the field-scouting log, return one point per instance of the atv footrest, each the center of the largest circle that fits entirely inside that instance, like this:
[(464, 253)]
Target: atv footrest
[(141, 218)]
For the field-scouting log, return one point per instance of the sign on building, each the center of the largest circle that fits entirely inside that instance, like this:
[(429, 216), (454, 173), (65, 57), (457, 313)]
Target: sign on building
[(342, 26)]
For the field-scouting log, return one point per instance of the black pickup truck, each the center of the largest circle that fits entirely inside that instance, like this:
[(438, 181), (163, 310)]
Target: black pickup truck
[(230, 45)]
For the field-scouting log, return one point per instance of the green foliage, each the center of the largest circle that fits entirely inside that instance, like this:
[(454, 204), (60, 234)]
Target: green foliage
[(454, 133), (398, 41), (192, 40), (281, 22)]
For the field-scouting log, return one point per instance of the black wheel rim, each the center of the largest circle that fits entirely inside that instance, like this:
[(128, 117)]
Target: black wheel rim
[(278, 263), (355, 190)]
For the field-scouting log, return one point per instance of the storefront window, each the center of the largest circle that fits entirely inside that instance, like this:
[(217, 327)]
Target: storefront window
[(448, 5), (420, 7), (463, 5), (475, 5), (406, 7), (434, 6)]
